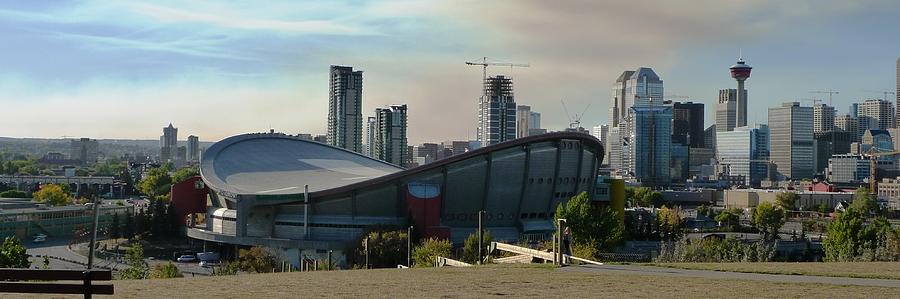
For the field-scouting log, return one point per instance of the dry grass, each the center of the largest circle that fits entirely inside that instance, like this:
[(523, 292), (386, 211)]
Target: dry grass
[(886, 270), (487, 281)]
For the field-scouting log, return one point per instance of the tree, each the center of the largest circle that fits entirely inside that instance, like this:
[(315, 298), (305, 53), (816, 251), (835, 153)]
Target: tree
[(12, 254), (646, 197), (470, 246), (257, 259), (115, 229), (590, 225), (703, 209), (845, 236), (156, 182), (670, 223), (52, 194), (729, 217), (768, 218), (426, 253), (387, 248), (134, 258), (787, 200), (128, 230), (863, 201), (185, 173), (167, 270)]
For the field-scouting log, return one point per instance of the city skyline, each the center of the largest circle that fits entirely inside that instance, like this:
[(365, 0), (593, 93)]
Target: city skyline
[(251, 68)]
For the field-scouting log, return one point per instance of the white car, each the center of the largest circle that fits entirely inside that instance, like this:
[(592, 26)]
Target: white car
[(187, 258)]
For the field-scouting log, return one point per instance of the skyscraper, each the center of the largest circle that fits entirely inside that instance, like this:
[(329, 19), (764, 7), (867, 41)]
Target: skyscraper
[(823, 118), (791, 139), (849, 124), (371, 128), (345, 108), (497, 111), (878, 112), (390, 134), (727, 110), (897, 94), (687, 124), (617, 109), (169, 144), (741, 72), (648, 152), (744, 152), (526, 121), (643, 86), (193, 148)]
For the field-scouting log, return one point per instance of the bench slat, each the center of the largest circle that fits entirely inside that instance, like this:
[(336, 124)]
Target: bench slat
[(49, 274), (53, 288)]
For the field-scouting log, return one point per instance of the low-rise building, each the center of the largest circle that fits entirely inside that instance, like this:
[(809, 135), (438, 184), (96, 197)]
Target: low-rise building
[(748, 198), (889, 193), (23, 218)]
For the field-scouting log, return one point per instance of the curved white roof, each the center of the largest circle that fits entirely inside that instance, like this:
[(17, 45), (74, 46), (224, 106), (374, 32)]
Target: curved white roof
[(274, 164)]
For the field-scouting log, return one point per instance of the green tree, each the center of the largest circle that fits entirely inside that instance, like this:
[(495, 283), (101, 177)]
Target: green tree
[(46, 262), (129, 229), (52, 194), (12, 254), (470, 246), (786, 200), (134, 258), (156, 182), (13, 194), (703, 209), (863, 201), (646, 197), (591, 226), (426, 253), (387, 248), (257, 259), (167, 270), (846, 236), (729, 218), (185, 173), (768, 218)]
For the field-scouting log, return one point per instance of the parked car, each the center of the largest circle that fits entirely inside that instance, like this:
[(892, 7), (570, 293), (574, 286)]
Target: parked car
[(187, 258), (39, 239)]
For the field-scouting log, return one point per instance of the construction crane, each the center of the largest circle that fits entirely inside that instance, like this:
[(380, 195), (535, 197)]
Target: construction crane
[(675, 96), (574, 121), (813, 100), (883, 92), (484, 63), (829, 92)]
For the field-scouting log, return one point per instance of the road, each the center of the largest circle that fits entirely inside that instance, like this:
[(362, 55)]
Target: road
[(661, 271), (68, 259)]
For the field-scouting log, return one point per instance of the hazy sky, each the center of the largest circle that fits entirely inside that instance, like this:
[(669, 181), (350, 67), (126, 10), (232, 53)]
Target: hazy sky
[(109, 69)]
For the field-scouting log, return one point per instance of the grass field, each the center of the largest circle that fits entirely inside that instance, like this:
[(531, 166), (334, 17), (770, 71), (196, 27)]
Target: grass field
[(487, 281), (886, 270)]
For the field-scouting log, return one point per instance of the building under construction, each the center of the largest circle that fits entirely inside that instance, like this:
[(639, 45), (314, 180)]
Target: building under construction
[(497, 111)]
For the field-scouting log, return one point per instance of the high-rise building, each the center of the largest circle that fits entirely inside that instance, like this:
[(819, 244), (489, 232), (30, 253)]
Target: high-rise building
[(600, 131), (709, 137), (345, 108), (647, 154), (744, 152), (823, 118), (85, 150), (497, 111), (854, 110), (897, 94), (390, 134), (741, 72), (193, 148), (880, 140), (727, 110), (687, 124), (371, 128), (526, 121), (825, 148), (850, 124), (168, 144), (643, 86), (791, 140), (617, 108), (879, 113), (614, 150)]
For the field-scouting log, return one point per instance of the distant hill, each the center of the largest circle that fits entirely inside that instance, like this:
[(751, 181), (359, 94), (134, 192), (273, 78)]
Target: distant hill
[(38, 147)]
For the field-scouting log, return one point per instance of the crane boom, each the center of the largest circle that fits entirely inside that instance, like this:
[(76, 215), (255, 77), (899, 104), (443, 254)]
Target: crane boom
[(484, 63)]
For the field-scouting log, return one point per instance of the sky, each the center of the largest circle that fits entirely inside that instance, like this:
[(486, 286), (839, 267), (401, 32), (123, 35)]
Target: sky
[(111, 69)]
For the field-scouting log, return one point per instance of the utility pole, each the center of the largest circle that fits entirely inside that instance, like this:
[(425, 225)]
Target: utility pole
[(329, 259), (366, 245), (480, 235), (409, 246), (559, 252), (96, 207)]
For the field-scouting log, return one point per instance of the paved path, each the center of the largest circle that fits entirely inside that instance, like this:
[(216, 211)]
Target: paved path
[(661, 271)]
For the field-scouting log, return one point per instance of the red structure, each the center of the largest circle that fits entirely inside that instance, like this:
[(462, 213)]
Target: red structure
[(424, 202), (189, 196)]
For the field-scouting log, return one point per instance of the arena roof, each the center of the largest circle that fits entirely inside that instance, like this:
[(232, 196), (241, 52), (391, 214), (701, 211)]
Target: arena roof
[(275, 164)]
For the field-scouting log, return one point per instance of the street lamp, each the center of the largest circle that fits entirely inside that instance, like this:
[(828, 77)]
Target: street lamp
[(559, 254)]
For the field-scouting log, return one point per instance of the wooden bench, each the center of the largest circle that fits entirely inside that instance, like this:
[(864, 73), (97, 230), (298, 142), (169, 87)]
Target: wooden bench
[(32, 281)]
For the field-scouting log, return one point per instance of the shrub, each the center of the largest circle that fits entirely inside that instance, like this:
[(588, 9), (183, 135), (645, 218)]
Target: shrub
[(257, 259), (13, 194), (425, 254), (715, 250), (228, 268), (167, 270), (387, 249), (470, 247)]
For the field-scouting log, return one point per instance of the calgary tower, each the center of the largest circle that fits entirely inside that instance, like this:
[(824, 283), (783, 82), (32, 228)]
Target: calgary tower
[(740, 72)]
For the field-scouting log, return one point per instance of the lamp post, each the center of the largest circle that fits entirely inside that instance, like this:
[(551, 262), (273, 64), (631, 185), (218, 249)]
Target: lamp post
[(409, 246), (480, 236), (559, 254), (96, 206)]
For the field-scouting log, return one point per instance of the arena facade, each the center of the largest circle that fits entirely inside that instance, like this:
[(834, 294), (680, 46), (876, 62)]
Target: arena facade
[(306, 198)]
